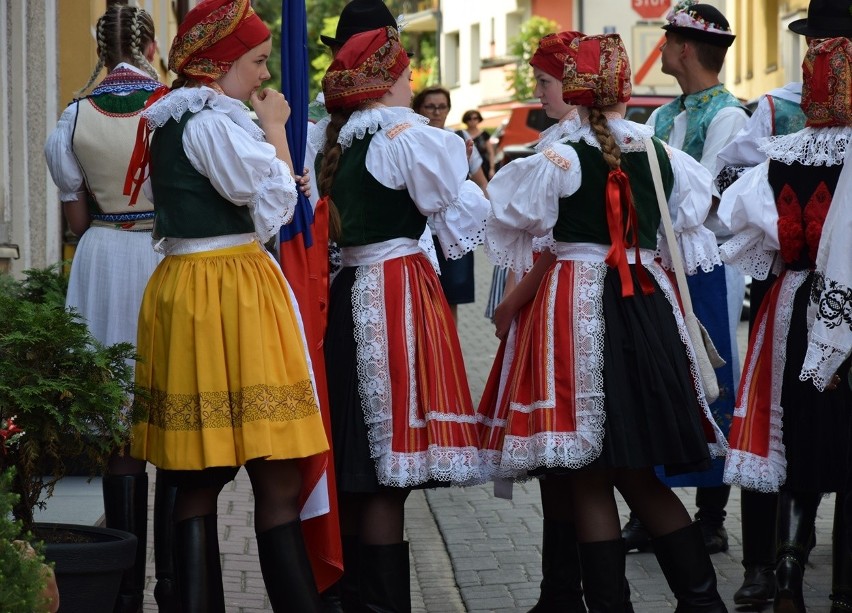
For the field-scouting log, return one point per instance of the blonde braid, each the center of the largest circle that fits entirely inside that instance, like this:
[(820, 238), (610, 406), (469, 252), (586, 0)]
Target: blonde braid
[(99, 37), (609, 148), (330, 161), (136, 42)]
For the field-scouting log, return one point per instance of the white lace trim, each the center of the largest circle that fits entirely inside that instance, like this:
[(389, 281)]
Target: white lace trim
[(556, 133), (316, 135), (745, 252), (369, 120), (698, 250), (193, 99), (568, 449), (719, 447), (268, 226), (822, 361), (767, 474), (459, 465), (628, 135), (811, 146)]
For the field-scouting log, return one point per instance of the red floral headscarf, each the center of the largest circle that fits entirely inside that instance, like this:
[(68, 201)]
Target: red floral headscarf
[(597, 71), (827, 83), (212, 36), (551, 53), (365, 68)]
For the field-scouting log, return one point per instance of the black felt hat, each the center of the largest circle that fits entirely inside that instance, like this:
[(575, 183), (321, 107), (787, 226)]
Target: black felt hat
[(826, 19), (359, 16), (703, 15)]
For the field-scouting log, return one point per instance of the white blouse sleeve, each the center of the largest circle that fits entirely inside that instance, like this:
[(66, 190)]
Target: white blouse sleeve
[(61, 161), (243, 170), (689, 204), (743, 150), (432, 165), (748, 210), (525, 203)]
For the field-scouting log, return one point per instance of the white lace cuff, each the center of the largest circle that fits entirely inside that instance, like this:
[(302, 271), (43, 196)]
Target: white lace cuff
[(822, 361), (508, 247), (698, 249), (746, 253), (460, 227), (271, 207)]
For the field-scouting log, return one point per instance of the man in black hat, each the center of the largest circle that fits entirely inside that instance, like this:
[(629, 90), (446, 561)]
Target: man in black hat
[(700, 122)]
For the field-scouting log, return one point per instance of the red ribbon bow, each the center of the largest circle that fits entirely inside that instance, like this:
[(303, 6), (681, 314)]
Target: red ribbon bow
[(623, 235)]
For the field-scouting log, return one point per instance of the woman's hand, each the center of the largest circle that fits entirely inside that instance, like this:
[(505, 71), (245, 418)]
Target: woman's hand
[(504, 315), (304, 182), (271, 107)]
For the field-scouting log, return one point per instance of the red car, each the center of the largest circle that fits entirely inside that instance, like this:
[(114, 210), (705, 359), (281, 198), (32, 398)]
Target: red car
[(517, 135)]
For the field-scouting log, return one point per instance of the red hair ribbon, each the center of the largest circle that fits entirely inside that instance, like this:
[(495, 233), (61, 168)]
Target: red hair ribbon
[(138, 169), (622, 235)]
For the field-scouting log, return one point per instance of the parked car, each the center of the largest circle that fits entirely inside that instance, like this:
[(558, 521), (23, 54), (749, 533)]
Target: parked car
[(519, 132)]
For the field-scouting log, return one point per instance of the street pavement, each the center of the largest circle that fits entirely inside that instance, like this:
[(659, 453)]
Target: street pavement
[(471, 551)]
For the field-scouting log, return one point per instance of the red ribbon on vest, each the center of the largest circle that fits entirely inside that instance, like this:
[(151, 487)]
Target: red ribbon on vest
[(623, 235), (138, 169)]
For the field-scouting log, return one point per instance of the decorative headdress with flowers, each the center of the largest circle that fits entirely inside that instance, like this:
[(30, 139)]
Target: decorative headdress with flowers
[(827, 82), (701, 22), (597, 71), (552, 52), (212, 36), (365, 68)]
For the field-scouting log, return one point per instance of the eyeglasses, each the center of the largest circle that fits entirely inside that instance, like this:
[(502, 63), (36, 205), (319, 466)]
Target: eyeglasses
[(435, 108), (474, 118)]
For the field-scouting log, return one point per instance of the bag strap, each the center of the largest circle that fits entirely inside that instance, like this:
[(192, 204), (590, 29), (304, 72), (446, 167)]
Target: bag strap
[(674, 250)]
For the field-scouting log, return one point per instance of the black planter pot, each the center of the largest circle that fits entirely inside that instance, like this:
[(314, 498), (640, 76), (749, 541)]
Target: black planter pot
[(88, 573)]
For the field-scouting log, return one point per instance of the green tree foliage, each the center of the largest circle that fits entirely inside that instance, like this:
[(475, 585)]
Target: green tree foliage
[(523, 46)]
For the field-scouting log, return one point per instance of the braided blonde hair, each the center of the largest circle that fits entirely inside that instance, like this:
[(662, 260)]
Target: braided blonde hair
[(330, 161), (610, 149), (122, 33)]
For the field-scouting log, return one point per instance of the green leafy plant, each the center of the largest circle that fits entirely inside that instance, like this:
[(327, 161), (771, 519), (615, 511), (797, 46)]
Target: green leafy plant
[(61, 389), (22, 576), (523, 47)]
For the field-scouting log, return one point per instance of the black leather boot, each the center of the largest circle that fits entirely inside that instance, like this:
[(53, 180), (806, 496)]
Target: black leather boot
[(603, 575), (758, 511), (841, 561), (384, 578), (796, 514), (344, 595), (286, 569), (560, 570), (711, 502), (166, 590), (689, 571), (199, 569), (126, 508), (635, 535)]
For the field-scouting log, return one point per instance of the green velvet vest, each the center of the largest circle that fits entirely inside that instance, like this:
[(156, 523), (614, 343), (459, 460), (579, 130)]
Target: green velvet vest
[(369, 211), (185, 202), (582, 215)]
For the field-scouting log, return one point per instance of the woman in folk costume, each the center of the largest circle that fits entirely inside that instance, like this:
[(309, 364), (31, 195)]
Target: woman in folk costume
[(87, 155), (787, 434), (401, 411), (623, 395), (224, 373)]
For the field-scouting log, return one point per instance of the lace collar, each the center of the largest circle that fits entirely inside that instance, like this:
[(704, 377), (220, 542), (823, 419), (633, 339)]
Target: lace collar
[(566, 128), (629, 135), (316, 134), (811, 146), (371, 119), (193, 99)]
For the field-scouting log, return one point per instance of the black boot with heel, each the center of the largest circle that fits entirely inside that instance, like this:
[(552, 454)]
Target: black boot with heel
[(287, 570), (198, 566), (796, 514), (688, 570), (841, 561), (560, 570), (126, 508), (166, 590), (758, 511), (384, 578), (603, 575)]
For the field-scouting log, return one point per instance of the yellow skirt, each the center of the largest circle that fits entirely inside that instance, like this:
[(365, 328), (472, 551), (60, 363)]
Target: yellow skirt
[(222, 373)]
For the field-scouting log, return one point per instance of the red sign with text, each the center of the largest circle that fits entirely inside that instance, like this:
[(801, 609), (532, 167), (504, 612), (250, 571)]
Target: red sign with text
[(651, 9)]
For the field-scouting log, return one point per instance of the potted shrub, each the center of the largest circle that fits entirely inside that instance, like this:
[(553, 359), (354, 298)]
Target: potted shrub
[(62, 391), (26, 582)]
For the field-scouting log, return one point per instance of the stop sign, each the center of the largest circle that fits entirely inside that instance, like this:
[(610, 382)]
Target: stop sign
[(651, 9)]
